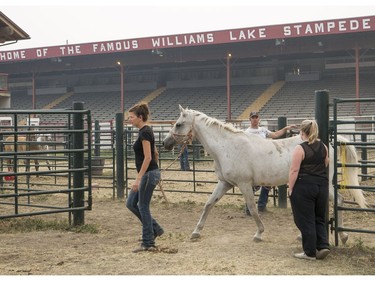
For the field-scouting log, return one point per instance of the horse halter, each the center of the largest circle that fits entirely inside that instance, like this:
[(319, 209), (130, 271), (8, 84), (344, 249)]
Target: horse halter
[(185, 138)]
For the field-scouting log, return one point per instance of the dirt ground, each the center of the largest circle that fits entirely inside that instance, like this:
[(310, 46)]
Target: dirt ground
[(225, 248)]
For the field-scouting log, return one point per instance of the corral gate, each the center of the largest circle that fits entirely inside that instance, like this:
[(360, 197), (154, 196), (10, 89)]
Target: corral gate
[(57, 183), (361, 132)]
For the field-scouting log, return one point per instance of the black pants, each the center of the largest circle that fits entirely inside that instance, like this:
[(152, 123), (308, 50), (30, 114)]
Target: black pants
[(309, 204)]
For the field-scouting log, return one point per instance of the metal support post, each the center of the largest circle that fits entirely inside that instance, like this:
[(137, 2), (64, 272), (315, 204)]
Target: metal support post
[(120, 154), (78, 162), (282, 194), (322, 119)]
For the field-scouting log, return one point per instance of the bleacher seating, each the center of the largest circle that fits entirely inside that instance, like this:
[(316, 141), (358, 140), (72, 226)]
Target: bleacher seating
[(296, 99), (21, 100), (209, 100), (103, 106)]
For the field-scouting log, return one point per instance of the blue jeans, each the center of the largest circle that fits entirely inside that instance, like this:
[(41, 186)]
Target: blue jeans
[(263, 197), (139, 204), (184, 158)]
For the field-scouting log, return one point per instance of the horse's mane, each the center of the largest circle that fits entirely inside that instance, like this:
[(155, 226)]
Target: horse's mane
[(209, 121)]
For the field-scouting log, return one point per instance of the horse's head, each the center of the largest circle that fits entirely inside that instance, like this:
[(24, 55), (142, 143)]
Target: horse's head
[(181, 131)]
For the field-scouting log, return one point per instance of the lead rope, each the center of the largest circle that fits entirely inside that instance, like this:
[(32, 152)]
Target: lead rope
[(186, 139)]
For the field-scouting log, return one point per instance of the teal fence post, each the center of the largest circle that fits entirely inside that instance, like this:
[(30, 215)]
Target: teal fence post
[(282, 194), (78, 163), (322, 119), (120, 154)]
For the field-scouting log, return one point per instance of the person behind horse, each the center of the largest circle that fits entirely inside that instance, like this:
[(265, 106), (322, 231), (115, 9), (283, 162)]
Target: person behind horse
[(254, 128), (184, 157), (148, 176), (308, 192)]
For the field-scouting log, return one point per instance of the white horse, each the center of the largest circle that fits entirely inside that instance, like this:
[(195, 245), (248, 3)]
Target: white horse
[(248, 160)]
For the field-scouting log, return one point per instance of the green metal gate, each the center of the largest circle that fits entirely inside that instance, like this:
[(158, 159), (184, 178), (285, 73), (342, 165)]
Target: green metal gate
[(362, 135), (56, 187)]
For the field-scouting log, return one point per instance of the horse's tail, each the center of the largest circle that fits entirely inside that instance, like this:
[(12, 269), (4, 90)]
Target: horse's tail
[(350, 174)]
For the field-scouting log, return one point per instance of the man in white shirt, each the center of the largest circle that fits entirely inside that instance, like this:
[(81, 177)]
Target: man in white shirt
[(264, 133)]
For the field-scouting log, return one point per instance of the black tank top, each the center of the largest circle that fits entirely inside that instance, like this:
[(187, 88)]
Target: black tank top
[(314, 162)]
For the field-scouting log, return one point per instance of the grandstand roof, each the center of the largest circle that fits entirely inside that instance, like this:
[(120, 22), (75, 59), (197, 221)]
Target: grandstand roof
[(280, 33), (9, 31), (255, 44), (259, 56)]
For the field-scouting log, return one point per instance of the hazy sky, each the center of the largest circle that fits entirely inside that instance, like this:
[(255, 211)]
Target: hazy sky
[(74, 22)]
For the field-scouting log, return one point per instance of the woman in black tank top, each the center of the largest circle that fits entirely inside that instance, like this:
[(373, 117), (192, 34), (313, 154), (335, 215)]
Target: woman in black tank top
[(308, 192)]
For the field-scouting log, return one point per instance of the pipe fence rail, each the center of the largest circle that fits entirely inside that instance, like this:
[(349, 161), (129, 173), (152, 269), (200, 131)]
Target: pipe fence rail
[(58, 185), (362, 135)]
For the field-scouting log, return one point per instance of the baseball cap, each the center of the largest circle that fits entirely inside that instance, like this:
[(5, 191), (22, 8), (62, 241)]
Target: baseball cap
[(254, 113)]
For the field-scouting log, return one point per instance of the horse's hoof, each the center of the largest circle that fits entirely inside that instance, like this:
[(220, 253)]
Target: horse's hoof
[(195, 236), (344, 237), (257, 239)]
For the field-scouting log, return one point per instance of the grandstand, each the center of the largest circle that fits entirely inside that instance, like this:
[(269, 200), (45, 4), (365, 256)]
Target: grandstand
[(294, 100), (103, 105), (210, 100), (277, 77), (22, 100)]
